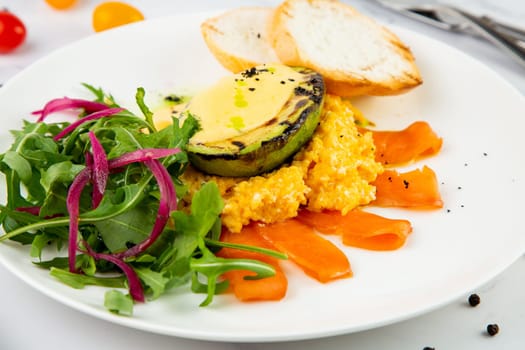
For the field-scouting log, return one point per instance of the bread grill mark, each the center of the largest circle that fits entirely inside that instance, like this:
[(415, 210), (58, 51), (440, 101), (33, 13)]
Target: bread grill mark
[(292, 46)]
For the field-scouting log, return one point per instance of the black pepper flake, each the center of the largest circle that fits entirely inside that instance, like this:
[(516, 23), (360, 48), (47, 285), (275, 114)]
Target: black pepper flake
[(283, 82), (459, 187), (448, 210), (406, 183), (291, 79), (492, 329), (249, 73), (258, 35), (474, 300), (257, 79), (466, 164), (462, 206), (428, 348), (173, 98), (485, 154), (390, 178), (382, 155), (251, 89)]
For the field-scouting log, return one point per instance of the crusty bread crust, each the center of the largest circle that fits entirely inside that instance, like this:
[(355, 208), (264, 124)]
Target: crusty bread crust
[(343, 82), (229, 61), (214, 34)]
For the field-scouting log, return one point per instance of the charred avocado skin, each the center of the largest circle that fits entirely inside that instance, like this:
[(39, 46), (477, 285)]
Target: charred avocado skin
[(263, 149)]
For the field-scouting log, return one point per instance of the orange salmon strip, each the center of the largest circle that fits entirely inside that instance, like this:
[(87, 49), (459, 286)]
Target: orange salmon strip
[(360, 229), (414, 189), (269, 288), (315, 255), (398, 147)]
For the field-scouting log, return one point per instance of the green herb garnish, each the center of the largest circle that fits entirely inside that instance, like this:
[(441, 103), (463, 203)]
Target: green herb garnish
[(106, 187)]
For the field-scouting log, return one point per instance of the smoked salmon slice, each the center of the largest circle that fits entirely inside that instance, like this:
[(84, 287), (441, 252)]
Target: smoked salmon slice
[(359, 228), (398, 147), (269, 288), (315, 255), (413, 189)]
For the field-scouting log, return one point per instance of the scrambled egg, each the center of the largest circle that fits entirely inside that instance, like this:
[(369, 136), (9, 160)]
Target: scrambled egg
[(333, 171)]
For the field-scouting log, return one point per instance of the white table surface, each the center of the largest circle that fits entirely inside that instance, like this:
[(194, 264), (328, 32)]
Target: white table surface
[(30, 320)]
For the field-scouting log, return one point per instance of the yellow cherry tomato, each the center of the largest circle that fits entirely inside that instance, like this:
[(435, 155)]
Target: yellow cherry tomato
[(61, 4), (114, 13)]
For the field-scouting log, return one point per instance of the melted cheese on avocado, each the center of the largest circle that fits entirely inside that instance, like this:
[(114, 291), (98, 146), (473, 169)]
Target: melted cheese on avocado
[(243, 102)]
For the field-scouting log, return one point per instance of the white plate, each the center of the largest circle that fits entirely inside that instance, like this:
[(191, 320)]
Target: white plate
[(451, 251)]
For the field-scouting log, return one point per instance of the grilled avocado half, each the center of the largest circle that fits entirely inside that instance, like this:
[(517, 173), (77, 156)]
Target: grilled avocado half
[(254, 121)]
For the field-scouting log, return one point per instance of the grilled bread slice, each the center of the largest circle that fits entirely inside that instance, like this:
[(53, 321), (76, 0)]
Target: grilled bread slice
[(355, 55), (239, 38)]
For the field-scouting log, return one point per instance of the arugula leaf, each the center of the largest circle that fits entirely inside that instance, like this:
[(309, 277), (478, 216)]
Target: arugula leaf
[(192, 229), (206, 206), (101, 96), (29, 129), (133, 226), (213, 267), (19, 164), (175, 262), (155, 281), (57, 262), (14, 195), (125, 141), (118, 201), (143, 259), (204, 288), (86, 264), (39, 242), (55, 201), (265, 251), (79, 281), (145, 110), (182, 134), (63, 172), (41, 151), (118, 302)]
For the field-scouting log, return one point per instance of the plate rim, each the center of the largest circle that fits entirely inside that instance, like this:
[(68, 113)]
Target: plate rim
[(77, 305)]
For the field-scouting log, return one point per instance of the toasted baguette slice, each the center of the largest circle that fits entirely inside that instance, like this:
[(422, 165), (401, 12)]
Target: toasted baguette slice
[(239, 38), (355, 55)]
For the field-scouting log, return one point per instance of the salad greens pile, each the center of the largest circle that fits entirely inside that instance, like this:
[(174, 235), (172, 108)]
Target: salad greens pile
[(106, 186)]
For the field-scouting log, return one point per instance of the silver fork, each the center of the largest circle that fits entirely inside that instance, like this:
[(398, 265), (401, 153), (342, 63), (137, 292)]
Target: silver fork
[(506, 42), (508, 38)]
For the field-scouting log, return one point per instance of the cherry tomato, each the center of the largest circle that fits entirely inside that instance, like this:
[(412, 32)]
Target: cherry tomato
[(61, 4), (12, 32), (114, 13)]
